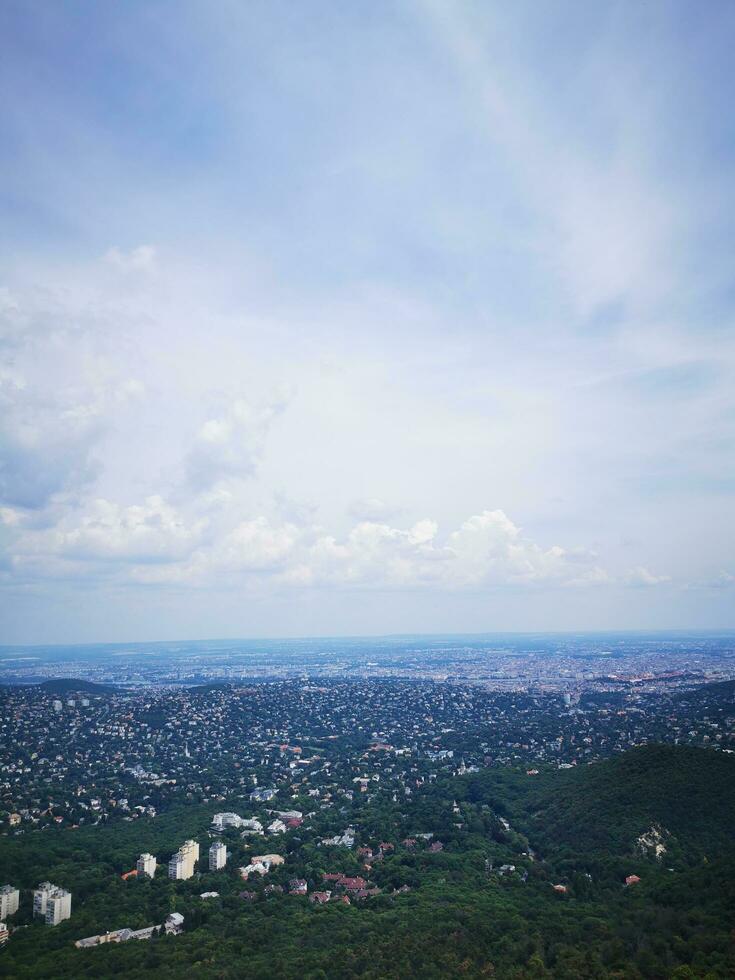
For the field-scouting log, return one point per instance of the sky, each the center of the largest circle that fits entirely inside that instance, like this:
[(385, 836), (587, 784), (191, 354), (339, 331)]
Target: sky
[(358, 318)]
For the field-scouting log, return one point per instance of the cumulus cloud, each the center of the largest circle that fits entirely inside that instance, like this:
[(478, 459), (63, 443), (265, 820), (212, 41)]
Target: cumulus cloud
[(231, 444), (60, 383), (46, 443), (560, 274), (154, 543), (149, 532)]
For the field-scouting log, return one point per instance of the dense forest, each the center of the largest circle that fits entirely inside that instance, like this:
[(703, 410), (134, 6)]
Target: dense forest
[(530, 883)]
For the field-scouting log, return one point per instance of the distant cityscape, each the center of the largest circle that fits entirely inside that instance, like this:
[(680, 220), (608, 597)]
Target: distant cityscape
[(551, 662)]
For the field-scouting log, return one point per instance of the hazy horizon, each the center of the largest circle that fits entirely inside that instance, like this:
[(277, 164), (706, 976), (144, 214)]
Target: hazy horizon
[(336, 638)]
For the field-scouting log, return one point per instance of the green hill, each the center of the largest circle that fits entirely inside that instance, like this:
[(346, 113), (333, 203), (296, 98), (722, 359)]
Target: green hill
[(689, 793)]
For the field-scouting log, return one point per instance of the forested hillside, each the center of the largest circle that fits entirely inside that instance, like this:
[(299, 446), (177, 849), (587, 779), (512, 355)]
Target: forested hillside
[(529, 882)]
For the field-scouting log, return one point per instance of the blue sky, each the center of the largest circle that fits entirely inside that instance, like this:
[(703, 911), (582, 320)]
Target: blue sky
[(356, 318)]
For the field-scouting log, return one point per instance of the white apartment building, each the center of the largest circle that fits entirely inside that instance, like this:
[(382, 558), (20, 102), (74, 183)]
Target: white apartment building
[(9, 899), (181, 865), (217, 856), (146, 865), (177, 867), (58, 907), (222, 820), (51, 902)]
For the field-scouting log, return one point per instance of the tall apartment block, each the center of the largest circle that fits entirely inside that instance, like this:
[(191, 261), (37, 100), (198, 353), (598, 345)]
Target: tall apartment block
[(181, 865), (51, 902), (217, 856), (146, 865), (9, 898)]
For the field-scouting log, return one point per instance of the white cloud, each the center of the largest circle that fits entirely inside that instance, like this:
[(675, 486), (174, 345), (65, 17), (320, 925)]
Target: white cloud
[(640, 576), (547, 327), (230, 445), (107, 532), (155, 543)]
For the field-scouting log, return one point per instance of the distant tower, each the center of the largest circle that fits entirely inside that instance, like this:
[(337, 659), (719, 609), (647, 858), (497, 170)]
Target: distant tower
[(9, 898), (146, 865), (217, 856), (51, 903), (181, 865), (58, 907)]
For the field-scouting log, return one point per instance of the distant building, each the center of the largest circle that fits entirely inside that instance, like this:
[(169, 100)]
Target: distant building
[(262, 795), (9, 899), (146, 865), (267, 859), (220, 821), (217, 856), (181, 865), (57, 705), (14, 819), (117, 936), (4, 934), (256, 867), (174, 923), (52, 903), (251, 828)]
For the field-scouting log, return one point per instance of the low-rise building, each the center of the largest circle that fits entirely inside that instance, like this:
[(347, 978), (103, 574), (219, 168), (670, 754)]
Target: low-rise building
[(221, 821), (174, 923), (262, 795)]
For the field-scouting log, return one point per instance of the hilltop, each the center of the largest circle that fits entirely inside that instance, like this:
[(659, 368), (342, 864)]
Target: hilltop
[(686, 792)]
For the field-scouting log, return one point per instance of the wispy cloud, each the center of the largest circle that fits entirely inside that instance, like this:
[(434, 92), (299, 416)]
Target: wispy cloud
[(423, 300)]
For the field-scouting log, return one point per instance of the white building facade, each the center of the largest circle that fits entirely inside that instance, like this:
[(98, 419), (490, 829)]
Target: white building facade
[(51, 903), (217, 856), (181, 865), (9, 900), (146, 865)]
